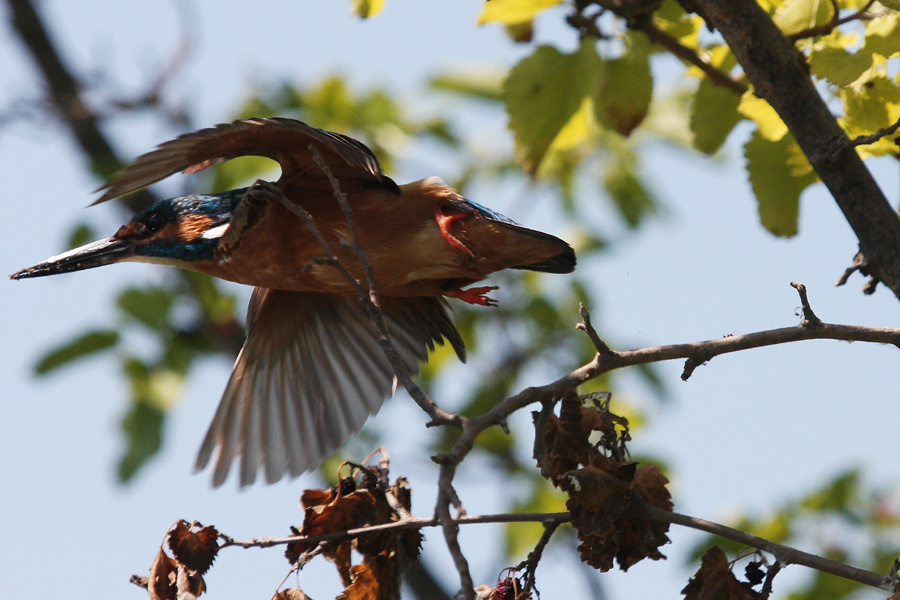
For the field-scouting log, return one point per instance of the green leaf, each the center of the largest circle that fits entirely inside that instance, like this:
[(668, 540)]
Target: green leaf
[(543, 92), (512, 12), (243, 171), (714, 113), (624, 89), (883, 35), (81, 235), (778, 172), (149, 306), (869, 107), (892, 4), (623, 183), (367, 8), (142, 426), (837, 65), (486, 85), (85, 344)]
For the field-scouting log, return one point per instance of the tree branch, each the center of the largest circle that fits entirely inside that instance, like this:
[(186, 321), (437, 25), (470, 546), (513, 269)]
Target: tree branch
[(779, 74), (689, 56), (785, 554), (65, 93)]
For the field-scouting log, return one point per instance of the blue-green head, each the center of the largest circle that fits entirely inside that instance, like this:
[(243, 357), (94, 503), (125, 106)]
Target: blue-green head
[(175, 231)]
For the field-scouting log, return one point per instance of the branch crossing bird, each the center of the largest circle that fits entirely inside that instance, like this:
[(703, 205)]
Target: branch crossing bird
[(312, 370)]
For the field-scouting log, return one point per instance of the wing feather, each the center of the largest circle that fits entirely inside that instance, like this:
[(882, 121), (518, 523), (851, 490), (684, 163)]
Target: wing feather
[(309, 375), (283, 140)]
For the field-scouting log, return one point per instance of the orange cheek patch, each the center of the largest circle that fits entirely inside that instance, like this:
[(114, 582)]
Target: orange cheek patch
[(191, 227)]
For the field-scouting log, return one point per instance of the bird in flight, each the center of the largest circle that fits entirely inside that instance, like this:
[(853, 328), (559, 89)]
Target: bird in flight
[(312, 370)]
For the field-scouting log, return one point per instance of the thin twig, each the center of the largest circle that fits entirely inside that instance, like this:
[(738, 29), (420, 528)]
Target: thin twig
[(412, 523), (862, 140), (831, 25), (690, 56), (534, 557), (771, 572), (586, 327), (371, 301), (809, 317)]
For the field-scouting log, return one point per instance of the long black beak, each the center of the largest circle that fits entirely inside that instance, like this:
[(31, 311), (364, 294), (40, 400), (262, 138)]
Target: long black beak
[(95, 254)]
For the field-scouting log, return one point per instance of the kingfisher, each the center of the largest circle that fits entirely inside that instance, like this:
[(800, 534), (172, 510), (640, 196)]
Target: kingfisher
[(312, 370)]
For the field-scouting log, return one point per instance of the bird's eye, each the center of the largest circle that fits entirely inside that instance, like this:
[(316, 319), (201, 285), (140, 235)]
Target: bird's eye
[(155, 222)]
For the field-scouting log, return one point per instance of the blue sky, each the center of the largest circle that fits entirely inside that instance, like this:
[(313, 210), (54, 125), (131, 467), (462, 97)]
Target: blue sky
[(745, 432)]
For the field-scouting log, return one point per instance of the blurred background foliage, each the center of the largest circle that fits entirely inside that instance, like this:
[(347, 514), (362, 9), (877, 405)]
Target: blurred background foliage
[(579, 119)]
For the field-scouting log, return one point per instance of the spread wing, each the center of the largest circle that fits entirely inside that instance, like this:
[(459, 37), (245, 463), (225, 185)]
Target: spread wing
[(283, 140), (310, 374)]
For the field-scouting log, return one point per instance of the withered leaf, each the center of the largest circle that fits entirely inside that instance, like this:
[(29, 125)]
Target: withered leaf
[(651, 485), (189, 584), (593, 487), (195, 550), (377, 578), (161, 584), (291, 594), (715, 581)]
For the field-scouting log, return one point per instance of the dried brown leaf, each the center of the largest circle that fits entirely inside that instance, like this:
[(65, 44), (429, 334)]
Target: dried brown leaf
[(715, 581), (189, 584), (377, 578), (291, 594), (195, 550), (161, 583)]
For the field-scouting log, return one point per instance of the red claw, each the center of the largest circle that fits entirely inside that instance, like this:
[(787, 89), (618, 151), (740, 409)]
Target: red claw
[(444, 221), (474, 295)]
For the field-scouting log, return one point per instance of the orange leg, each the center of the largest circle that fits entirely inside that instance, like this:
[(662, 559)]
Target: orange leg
[(444, 221), (475, 295)]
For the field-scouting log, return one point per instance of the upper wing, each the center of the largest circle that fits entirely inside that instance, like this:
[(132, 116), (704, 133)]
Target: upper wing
[(283, 140), (310, 374)]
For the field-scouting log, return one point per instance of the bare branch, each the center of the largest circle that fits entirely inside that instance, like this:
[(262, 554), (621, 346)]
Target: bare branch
[(534, 557), (412, 523), (784, 554)]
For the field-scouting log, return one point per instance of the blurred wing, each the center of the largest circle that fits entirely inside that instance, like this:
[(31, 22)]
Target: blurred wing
[(310, 374), (283, 140)]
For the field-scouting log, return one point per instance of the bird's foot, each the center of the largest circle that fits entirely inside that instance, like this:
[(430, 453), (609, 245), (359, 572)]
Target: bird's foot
[(251, 209), (444, 221), (475, 295)]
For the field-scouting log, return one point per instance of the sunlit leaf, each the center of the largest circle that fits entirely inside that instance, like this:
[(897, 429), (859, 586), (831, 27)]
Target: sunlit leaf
[(796, 15), (778, 173), (80, 347), (771, 127), (624, 89), (870, 107), (543, 92), (367, 8), (512, 12), (883, 35)]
